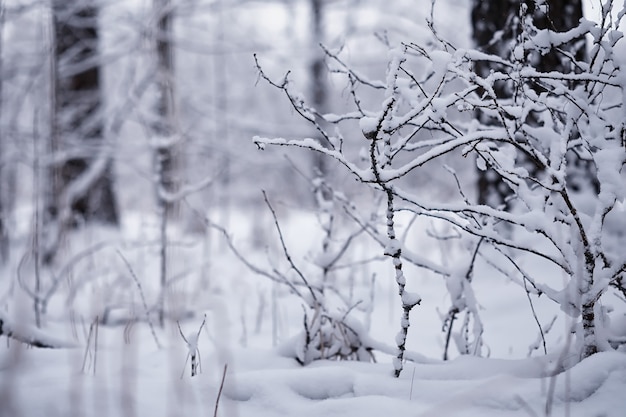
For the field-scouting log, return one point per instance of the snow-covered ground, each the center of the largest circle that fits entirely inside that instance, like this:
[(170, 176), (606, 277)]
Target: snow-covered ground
[(134, 378), (120, 370)]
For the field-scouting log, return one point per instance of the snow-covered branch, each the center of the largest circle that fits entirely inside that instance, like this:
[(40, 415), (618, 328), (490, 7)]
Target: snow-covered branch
[(536, 139)]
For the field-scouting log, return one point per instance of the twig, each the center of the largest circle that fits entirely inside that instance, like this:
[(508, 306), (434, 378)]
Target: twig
[(524, 404), (286, 251), (276, 278), (143, 298), (87, 347), (95, 346), (219, 393), (452, 316), (525, 280), (181, 332)]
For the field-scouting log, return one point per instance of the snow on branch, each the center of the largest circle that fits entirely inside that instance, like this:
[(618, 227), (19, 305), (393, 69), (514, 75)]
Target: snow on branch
[(553, 127), (30, 335)]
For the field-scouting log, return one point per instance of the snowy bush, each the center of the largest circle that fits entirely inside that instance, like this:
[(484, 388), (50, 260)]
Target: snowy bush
[(557, 121), (329, 331)]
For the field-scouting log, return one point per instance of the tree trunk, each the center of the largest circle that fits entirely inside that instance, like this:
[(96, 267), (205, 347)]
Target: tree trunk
[(318, 78), (590, 345), (167, 163), (4, 212), (80, 188), (222, 107), (166, 147), (4, 232)]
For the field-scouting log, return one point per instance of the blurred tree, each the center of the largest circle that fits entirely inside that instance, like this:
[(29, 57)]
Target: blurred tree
[(80, 187), (318, 73), (497, 28), (4, 212), (167, 153), (166, 143)]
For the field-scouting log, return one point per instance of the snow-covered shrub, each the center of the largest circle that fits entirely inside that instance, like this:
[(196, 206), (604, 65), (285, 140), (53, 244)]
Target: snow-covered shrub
[(329, 328), (331, 335), (428, 101)]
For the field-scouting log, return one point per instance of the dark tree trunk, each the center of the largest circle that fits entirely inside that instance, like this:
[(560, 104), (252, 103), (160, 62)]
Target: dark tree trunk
[(167, 163), (318, 77), (4, 213), (496, 28), (4, 170), (4, 232), (80, 185), (166, 156), (490, 18)]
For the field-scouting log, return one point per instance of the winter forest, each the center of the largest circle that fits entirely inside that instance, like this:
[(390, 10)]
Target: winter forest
[(312, 208)]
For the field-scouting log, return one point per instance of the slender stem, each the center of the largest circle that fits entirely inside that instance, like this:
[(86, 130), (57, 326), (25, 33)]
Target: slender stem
[(143, 298), (219, 393)]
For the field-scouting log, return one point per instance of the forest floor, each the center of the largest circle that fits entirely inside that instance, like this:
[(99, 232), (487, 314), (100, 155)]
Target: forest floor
[(137, 379), (123, 369)]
